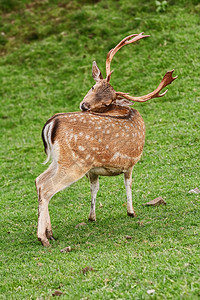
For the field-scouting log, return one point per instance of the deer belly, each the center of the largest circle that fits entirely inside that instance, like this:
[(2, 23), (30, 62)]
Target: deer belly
[(106, 171)]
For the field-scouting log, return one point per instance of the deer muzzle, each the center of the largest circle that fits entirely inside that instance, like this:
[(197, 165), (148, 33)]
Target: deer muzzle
[(84, 106)]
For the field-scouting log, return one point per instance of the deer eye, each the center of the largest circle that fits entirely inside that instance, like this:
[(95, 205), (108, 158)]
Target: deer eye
[(92, 88)]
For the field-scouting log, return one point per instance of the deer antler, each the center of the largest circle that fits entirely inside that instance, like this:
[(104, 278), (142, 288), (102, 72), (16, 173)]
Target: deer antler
[(167, 79), (126, 41)]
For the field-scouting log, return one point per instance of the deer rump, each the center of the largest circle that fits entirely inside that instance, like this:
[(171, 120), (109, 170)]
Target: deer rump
[(106, 144)]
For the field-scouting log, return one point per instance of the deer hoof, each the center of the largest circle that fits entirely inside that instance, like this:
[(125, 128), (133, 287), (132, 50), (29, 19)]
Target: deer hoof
[(45, 243), (131, 214), (92, 218)]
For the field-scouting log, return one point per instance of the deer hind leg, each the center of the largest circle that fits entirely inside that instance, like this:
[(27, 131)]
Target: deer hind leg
[(39, 183), (94, 187), (47, 186), (128, 185)]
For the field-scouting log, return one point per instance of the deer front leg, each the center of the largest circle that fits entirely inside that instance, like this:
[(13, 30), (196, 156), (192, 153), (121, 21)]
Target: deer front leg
[(128, 185), (94, 187)]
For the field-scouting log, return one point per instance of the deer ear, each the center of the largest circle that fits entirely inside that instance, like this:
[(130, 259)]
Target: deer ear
[(96, 73)]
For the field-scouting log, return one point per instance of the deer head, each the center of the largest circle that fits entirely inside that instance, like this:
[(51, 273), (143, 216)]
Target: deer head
[(102, 94)]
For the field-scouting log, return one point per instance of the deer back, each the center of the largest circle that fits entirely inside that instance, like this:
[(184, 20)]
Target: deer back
[(100, 140)]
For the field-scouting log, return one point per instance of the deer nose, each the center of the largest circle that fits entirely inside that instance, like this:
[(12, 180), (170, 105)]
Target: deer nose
[(84, 106)]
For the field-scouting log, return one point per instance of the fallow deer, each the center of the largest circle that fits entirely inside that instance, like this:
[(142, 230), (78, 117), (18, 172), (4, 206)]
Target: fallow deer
[(105, 138)]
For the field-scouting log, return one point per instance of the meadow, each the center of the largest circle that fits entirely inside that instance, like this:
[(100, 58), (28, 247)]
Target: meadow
[(46, 53)]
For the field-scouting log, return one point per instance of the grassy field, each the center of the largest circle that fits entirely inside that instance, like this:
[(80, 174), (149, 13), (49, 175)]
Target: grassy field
[(47, 49)]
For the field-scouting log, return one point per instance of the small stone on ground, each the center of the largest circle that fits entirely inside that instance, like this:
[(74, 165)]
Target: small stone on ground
[(156, 201), (66, 249), (195, 191), (80, 224), (128, 237), (150, 292), (57, 293), (87, 269)]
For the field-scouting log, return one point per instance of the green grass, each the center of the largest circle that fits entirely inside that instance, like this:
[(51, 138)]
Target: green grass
[(47, 51)]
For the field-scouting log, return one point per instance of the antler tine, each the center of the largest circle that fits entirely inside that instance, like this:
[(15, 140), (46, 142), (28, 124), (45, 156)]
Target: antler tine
[(127, 40), (167, 79)]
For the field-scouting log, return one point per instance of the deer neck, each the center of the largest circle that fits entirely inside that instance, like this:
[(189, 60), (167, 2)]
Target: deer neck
[(114, 110)]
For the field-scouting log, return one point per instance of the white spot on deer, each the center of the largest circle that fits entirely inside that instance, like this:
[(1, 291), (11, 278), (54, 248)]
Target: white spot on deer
[(115, 156), (108, 131), (81, 148), (107, 147), (99, 140), (73, 154), (75, 138), (80, 133), (87, 137), (119, 155), (87, 157), (71, 136), (117, 134)]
